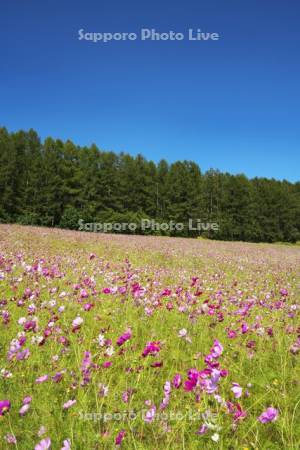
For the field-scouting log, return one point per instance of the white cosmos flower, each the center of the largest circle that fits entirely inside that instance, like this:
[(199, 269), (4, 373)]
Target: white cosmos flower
[(215, 437), (110, 351), (101, 340)]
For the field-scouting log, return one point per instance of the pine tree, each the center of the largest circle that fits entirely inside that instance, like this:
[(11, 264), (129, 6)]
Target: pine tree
[(55, 184)]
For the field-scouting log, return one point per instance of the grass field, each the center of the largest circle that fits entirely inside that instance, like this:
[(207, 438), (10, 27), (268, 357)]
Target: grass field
[(147, 342)]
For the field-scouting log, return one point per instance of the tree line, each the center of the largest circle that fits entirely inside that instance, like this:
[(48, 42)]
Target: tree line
[(55, 183)]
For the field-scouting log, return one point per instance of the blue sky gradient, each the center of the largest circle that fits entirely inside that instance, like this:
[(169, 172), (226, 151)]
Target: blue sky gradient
[(231, 104)]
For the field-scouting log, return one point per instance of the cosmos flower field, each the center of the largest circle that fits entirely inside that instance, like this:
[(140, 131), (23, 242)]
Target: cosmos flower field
[(114, 341)]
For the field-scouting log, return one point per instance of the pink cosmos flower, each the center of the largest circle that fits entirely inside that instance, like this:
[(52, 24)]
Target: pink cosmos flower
[(26, 406), (237, 390), (5, 317), (203, 429), (24, 409), (42, 379), (148, 311), (137, 290), (125, 397), (27, 293), (58, 377), (122, 289), (6, 373), (182, 333), (88, 306), (251, 344), (103, 390), (86, 366), (76, 324), (45, 444), (167, 392), (11, 438), (23, 354), (42, 431), (63, 340), (68, 404), (66, 445), (284, 292), (232, 334), (127, 394), (83, 293), (236, 410), (150, 414), (295, 348), (194, 281), (217, 349), (269, 415), (210, 385), (177, 381), (87, 361)]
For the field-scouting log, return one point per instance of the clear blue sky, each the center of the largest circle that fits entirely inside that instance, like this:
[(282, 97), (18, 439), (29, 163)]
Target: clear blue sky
[(232, 104)]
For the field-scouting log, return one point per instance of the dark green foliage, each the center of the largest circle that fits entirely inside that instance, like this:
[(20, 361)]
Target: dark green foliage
[(56, 183), (70, 218)]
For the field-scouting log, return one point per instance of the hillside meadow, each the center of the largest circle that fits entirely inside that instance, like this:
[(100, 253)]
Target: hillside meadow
[(144, 342)]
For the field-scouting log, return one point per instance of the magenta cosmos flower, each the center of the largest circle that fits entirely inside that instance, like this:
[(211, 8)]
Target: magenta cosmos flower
[(124, 337), (151, 348), (269, 415), (4, 406), (106, 290), (157, 364), (120, 437), (107, 364), (192, 380)]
